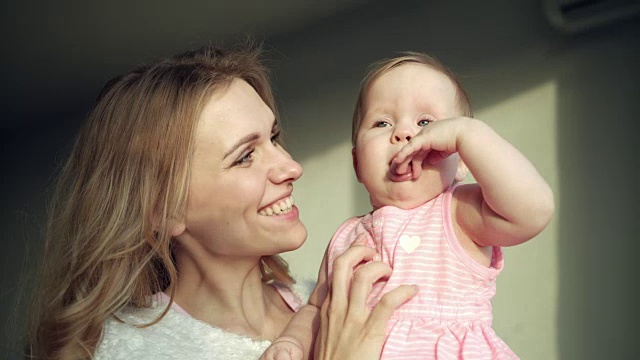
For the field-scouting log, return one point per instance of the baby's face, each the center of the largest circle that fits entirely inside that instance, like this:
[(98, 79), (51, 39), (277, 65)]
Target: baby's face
[(398, 105)]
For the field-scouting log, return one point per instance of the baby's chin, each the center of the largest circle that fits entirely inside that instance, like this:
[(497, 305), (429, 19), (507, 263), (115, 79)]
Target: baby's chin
[(407, 202)]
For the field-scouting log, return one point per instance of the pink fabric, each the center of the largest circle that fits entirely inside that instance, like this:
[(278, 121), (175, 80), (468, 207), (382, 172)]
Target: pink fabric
[(451, 316), (289, 297)]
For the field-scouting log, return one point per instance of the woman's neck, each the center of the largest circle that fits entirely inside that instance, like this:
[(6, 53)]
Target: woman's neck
[(229, 294)]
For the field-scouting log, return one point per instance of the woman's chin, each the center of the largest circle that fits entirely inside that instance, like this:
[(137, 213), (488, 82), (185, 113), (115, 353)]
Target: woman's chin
[(296, 239), (291, 240)]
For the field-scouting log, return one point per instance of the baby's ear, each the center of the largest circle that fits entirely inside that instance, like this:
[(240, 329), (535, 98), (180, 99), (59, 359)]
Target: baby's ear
[(461, 171), (355, 163)]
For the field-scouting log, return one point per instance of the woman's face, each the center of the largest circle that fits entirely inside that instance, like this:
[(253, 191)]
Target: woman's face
[(240, 202)]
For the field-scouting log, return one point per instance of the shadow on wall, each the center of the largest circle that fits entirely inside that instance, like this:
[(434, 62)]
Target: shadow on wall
[(30, 156), (598, 157)]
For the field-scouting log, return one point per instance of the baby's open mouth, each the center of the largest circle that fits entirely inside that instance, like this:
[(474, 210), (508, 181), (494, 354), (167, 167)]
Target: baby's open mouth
[(394, 176)]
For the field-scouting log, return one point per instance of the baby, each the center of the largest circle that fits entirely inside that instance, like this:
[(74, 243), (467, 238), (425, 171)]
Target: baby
[(414, 139)]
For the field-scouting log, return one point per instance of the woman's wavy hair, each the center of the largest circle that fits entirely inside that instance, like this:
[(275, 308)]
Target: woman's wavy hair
[(380, 68), (107, 242)]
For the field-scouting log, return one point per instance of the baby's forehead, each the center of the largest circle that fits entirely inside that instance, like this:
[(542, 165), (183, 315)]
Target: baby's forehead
[(412, 78), (414, 71)]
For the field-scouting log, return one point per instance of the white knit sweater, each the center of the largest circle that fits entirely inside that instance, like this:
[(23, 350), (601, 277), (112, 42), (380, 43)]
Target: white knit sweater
[(177, 336)]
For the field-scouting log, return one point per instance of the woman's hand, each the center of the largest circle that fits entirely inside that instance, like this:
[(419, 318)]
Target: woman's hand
[(349, 329)]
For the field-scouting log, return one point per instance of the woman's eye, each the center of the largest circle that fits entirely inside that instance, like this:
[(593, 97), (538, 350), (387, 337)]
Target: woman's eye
[(275, 137), (424, 122), (381, 124), (245, 159)]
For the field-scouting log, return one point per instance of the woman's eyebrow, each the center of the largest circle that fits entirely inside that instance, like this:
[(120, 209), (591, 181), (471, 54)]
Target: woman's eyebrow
[(243, 140)]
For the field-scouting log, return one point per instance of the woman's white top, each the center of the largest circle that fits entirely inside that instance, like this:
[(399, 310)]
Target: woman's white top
[(180, 336)]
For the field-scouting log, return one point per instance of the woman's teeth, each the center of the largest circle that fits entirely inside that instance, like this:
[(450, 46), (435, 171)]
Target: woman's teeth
[(284, 206)]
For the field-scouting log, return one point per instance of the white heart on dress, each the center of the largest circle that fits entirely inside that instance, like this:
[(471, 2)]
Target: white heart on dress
[(409, 243)]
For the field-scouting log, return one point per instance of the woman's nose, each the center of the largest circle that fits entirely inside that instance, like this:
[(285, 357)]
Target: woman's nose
[(285, 168)]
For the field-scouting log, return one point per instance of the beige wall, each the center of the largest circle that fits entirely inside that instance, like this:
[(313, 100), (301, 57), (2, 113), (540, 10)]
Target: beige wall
[(518, 316), (568, 103)]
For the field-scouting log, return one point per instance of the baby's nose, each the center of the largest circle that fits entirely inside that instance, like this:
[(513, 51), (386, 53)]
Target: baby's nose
[(402, 134)]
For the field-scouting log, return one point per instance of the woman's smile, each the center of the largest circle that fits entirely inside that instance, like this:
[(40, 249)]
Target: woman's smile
[(282, 206)]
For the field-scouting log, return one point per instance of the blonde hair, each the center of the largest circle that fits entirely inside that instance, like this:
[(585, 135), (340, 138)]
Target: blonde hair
[(107, 243), (382, 67)]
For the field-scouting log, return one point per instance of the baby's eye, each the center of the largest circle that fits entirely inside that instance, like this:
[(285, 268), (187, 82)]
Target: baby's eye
[(381, 124), (424, 122)]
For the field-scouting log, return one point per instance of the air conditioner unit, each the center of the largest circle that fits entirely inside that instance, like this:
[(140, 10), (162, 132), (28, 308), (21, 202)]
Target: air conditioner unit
[(573, 16)]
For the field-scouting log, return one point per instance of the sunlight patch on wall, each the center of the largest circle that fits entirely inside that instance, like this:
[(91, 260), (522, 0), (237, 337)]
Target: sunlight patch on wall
[(324, 196), (528, 286)]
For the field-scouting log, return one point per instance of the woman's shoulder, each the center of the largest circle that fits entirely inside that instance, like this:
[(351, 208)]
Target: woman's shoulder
[(126, 336), (175, 336)]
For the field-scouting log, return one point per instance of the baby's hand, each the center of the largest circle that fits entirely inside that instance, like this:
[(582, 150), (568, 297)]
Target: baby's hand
[(283, 349), (432, 144)]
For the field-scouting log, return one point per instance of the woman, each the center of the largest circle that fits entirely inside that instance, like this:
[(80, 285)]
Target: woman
[(167, 221)]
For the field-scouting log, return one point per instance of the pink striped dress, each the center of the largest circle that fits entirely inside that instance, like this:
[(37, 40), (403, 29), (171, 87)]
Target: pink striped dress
[(451, 316)]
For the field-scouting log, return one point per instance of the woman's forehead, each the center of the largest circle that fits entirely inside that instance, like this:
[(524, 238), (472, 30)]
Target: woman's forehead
[(232, 113)]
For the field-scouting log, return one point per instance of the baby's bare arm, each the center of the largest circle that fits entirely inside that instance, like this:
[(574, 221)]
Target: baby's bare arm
[(296, 341), (511, 202)]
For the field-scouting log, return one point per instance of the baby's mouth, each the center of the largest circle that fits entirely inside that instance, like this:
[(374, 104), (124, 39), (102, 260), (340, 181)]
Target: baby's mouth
[(394, 176)]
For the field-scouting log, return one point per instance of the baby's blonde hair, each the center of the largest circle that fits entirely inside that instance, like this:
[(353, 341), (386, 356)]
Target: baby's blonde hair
[(382, 67), (107, 242)]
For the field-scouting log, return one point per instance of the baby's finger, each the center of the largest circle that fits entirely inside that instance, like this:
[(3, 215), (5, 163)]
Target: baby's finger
[(399, 162), (405, 152), (416, 163), (403, 166), (283, 354), (418, 143), (288, 354), (296, 354), (437, 156)]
